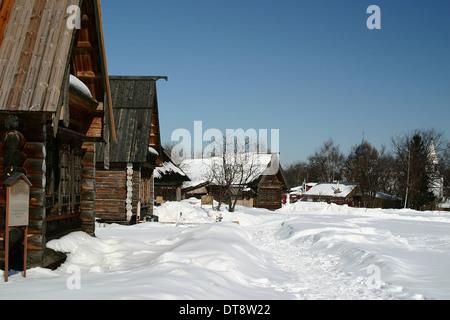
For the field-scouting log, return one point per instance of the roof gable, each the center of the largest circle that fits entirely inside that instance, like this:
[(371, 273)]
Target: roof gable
[(134, 101), (39, 51), (34, 55)]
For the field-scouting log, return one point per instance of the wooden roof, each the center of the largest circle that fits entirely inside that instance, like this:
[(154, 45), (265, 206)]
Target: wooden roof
[(135, 109), (38, 51), (169, 172)]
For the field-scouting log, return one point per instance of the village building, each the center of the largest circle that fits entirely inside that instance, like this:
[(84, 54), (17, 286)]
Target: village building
[(168, 179), (262, 189), (54, 106), (125, 187), (336, 192)]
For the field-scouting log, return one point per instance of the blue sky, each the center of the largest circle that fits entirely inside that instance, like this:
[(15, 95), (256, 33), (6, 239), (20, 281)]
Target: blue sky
[(311, 69)]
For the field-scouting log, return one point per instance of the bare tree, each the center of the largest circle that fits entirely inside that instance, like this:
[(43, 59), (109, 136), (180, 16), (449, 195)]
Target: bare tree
[(327, 162), (297, 173), (230, 172)]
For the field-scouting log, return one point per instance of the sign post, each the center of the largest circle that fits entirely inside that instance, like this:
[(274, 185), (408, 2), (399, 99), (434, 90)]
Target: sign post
[(17, 213)]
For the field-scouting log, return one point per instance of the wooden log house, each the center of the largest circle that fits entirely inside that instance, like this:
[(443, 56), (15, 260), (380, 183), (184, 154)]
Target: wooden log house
[(54, 91), (125, 190)]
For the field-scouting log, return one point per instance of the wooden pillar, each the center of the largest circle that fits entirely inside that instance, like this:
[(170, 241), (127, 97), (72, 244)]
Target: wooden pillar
[(88, 188)]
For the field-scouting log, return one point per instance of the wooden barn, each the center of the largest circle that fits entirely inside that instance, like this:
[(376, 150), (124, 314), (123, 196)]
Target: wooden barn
[(263, 188), (125, 191), (54, 105)]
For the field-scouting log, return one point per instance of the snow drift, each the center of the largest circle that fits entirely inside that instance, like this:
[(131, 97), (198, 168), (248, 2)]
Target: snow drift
[(302, 251)]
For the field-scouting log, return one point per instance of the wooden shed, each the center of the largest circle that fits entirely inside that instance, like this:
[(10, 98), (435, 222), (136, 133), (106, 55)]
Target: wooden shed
[(54, 105), (125, 190), (169, 179)]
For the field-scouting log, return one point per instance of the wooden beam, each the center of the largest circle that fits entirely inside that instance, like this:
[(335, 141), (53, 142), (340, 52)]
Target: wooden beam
[(5, 12), (108, 101)]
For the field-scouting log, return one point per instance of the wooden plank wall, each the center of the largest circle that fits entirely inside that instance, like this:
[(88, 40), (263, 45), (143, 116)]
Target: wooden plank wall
[(34, 130), (111, 194)]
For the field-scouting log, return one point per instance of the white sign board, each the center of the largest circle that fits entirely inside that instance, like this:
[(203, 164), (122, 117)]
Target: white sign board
[(19, 202)]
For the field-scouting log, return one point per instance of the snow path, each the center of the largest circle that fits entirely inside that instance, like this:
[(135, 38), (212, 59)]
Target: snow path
[(314, 275)]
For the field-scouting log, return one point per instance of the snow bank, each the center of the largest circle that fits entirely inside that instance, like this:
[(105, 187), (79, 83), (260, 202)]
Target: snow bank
[(302, 251), (407, 249), (185, 211)]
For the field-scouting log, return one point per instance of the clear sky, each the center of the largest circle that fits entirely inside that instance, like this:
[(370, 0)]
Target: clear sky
[(311, 69)]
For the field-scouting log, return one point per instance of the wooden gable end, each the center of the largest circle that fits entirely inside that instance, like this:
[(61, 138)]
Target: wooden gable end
[(39, 50), (34, 55), (135, 108)]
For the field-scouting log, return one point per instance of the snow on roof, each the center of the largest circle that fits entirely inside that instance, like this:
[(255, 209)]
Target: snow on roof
[(331, 189), (80, 86), (199, 170), (153, 151), (167, 168)]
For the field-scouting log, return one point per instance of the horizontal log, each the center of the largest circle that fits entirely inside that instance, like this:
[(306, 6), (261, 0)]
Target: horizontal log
[(87, 205), (88, 173), (111, 174), (88, 195), (89, 147), (36, 242), (37, 198), (88, 184), (37, 213), (37, 180), (87, 215), (35, 150), (34, 166)]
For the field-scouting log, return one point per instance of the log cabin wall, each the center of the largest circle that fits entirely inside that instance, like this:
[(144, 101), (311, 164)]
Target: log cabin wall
[(135, 111), (38, 51), (111, 193), (34, 131), (88, 188)]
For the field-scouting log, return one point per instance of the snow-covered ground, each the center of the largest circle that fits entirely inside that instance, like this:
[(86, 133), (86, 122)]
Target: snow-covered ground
[(302, 251)]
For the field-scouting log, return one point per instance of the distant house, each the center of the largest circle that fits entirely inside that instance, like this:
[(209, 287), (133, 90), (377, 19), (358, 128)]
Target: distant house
[(263, 189), (336, 192), (295, 194), (169, 179), (125, 190), (54, 105), (383, 200)]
